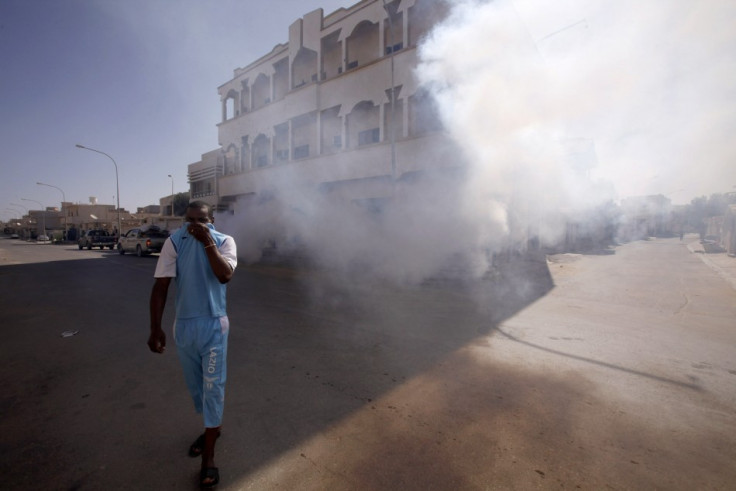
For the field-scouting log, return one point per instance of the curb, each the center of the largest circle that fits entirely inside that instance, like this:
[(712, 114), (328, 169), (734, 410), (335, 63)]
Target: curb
[(694, 247)]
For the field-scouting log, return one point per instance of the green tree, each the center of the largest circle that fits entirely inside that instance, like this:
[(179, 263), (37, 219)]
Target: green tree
[(703, 208)]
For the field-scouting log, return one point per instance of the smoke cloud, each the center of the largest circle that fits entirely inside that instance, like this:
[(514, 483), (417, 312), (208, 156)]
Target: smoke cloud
[(554, 108)]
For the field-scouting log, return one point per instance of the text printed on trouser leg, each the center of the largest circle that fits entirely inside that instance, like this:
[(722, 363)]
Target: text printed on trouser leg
[(211, 369)]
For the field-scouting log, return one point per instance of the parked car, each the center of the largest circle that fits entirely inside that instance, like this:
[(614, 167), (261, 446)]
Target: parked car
[(96, 238), (142, 241), (43, 238)]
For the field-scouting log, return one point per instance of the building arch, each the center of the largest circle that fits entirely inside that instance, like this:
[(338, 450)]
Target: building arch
[(331, 46), (280, 143), (245, 154), (280, 79), (304, 68), (231, 105), (393, 28), (363, 124), (261, 91), (244, 96), (331, 127), (424, 115), (261, 153), (423, 16), (231, 160), (362, 44)]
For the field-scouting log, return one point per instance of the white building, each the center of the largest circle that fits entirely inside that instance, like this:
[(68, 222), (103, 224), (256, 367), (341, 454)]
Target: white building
[(317, 111)]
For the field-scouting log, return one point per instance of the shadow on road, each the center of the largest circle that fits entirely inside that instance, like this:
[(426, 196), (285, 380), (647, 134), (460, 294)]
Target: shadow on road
[(307, 349), (334, 383)]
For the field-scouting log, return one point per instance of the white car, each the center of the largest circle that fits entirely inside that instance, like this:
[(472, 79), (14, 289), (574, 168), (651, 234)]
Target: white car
[(43, 238)]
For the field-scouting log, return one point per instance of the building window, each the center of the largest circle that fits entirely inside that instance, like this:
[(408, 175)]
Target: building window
[(396, 47), (369, 136), (261, 91), (331, 127), (301, 152)]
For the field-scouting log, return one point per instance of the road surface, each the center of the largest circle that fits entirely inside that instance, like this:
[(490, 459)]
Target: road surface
[(609, 371)]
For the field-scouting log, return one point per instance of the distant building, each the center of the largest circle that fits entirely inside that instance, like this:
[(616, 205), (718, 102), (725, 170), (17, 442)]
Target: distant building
[(203, 178), (80, 217), (151, 209), (728, 238), (88, 216), (646, 216)]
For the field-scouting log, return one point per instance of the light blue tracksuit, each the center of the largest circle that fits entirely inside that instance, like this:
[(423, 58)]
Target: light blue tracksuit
[(201, 328)]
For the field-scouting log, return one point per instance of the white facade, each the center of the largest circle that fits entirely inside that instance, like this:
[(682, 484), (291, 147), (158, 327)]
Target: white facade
[(317, 110)]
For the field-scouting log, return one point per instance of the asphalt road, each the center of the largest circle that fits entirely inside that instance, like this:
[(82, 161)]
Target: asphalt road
[(609, 371)]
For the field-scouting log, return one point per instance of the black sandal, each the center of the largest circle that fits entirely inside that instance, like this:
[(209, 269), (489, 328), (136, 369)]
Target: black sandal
[(211, 475), (196, 448)]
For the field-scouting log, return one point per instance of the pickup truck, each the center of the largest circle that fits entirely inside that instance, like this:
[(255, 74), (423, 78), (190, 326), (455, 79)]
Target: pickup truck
[(142, 241), (96, 238)]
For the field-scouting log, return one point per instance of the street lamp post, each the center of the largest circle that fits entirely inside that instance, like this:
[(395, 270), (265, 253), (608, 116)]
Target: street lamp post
[(43, 213), (63, 200), (172, 194), (117, 181), (16, 210), (22, 206)]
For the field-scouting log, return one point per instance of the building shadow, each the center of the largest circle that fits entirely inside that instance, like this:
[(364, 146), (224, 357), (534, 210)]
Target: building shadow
[(307, 349), (312, 347)]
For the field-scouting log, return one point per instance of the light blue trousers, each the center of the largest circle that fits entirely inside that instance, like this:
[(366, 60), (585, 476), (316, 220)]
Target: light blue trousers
[(202, 346)]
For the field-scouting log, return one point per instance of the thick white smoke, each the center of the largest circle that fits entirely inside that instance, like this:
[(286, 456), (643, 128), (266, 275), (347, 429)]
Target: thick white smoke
[(647, 84), (423, 229), (515, 117), (551, 105)]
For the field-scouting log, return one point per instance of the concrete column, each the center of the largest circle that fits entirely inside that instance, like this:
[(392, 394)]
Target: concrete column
[(381, 38), (344, 132), (318, 147), (344, 60), (382, 121), (404, 116), (405, 30)]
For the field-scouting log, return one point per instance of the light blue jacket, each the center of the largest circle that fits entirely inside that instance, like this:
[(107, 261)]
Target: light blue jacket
[(199, 293)]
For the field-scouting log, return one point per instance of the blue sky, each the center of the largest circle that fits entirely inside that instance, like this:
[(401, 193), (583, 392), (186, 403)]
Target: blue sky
[(136, 79)]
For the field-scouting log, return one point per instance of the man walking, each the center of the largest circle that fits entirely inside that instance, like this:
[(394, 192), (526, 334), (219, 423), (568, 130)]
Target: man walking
[(202, 260)]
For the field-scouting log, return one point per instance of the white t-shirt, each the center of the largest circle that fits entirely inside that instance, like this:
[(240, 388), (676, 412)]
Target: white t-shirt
[(166, 265)]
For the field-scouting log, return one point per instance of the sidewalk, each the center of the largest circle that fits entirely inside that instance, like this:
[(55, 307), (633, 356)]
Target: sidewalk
[(720, 262)]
